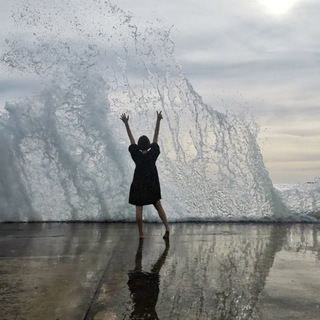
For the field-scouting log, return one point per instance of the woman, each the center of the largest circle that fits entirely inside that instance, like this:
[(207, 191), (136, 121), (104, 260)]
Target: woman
[(145, 186)]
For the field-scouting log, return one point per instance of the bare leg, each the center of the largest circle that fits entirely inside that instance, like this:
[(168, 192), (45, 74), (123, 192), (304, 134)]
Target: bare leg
[(163, 217), (139, 221)]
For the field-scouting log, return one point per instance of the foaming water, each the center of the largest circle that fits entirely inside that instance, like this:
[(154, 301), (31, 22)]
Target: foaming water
[(302, 199), (64, 149)]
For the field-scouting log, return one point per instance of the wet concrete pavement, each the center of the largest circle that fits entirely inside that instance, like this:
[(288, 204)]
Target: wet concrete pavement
[(207, 271)]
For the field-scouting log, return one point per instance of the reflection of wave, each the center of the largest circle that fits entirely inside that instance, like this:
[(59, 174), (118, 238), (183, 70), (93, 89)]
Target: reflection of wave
[(218, 271), (213, 271), (222, 272), (303, 239), (226, 274)]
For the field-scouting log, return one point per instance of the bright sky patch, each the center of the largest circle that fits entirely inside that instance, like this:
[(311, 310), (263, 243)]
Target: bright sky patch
[(278, 7)]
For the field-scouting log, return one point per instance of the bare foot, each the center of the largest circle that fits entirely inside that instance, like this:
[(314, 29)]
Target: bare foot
[(166, 235)]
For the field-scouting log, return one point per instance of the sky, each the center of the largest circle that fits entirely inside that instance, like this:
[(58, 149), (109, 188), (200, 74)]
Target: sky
[(260, 55)]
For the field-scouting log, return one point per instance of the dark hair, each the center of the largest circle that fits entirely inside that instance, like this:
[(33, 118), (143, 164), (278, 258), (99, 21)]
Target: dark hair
[(143, 143)]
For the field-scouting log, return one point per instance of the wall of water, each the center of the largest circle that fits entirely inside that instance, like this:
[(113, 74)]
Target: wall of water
[(301, 199), (64, 150)]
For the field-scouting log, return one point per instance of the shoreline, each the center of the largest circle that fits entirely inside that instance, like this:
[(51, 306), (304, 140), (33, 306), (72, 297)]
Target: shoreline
[(308, 219)]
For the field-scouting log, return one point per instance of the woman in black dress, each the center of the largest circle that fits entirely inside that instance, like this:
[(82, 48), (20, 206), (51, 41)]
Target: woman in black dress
[(145, 186)]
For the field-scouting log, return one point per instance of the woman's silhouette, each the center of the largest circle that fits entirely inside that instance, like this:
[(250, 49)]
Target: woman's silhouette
[(145, 187), (144, 286)]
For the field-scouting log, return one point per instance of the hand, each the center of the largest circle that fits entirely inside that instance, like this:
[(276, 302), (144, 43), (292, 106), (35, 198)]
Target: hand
[(124, 118), (159, 115)]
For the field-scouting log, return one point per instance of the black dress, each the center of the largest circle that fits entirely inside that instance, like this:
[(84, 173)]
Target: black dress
[(145, 187)]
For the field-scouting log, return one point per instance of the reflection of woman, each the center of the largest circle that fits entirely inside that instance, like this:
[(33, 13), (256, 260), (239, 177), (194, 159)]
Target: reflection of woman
[(144, 286)]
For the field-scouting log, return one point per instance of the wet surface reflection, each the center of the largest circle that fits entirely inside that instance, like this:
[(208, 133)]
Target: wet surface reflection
[(209, 271), (144, 286)]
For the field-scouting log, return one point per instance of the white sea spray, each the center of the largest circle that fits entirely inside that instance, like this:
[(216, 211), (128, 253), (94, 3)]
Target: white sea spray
[(64, 149)]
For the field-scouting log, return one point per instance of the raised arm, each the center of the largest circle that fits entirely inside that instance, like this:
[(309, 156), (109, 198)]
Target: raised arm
[(156, 130), (125, 120)]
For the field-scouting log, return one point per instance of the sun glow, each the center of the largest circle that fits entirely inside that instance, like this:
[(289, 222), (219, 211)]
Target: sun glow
[(278, 7)]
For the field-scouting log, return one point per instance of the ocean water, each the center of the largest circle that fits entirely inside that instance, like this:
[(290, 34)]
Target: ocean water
[(64, 150)]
